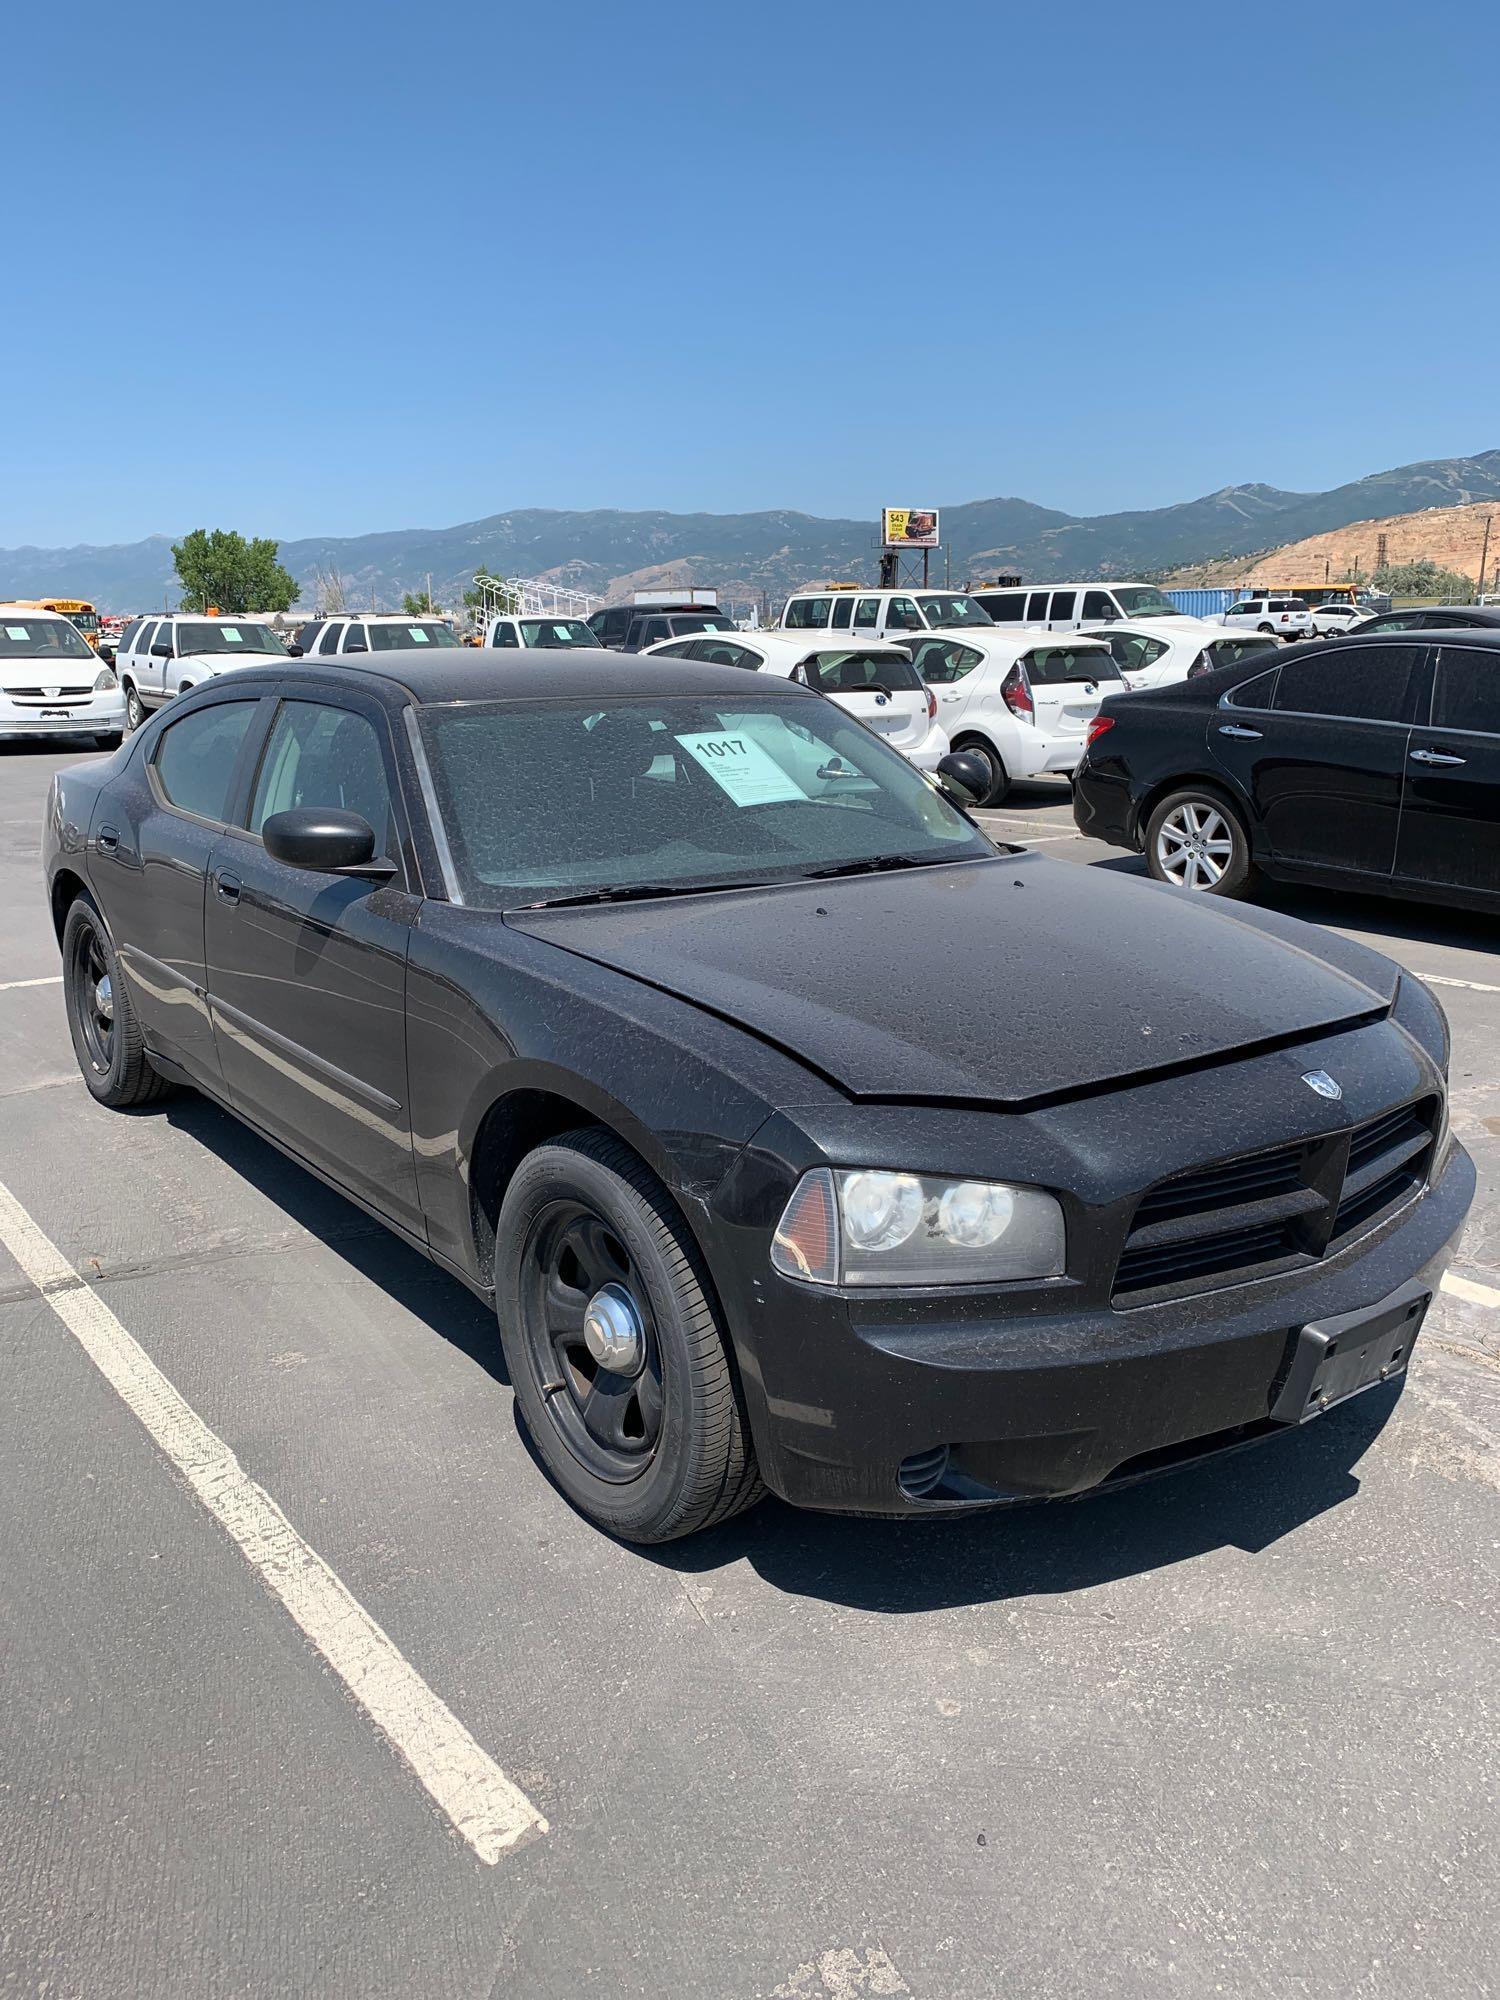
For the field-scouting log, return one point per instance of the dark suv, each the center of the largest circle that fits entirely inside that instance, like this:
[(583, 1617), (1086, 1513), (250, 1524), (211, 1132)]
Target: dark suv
[(629, 628)]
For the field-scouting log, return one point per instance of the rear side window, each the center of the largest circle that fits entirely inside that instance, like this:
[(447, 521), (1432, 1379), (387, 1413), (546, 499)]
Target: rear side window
[(1009, 609), (357, 640), (1062, 603), (1036, 608), (1365, 683), (1133, 650), (723, 653), (1467, 692), (849, 673), (1046, 666), (843, 613), (867, 611), (805, 612), (196, 757), (329, 643)]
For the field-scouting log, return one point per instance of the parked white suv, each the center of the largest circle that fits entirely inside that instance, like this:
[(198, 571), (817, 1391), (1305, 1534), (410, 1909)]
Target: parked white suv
[(1331, 620), (1021, 701), (1281, 617), (873, 681), (880, 614), (162, 657), (52, 683), (371, 632)]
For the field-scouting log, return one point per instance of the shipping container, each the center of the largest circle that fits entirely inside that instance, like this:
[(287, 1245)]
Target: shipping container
[(1204, 603)]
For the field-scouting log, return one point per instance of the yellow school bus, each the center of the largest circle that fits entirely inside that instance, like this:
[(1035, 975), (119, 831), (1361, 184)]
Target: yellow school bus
[(77, 610)]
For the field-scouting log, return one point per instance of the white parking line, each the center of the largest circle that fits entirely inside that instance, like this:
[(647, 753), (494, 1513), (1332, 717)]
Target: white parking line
[(14, 985), (489, 1811), (1465, 1288), (1470, 985)]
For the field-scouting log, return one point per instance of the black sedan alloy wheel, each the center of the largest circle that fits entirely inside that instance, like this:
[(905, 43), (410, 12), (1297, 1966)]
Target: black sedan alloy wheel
[(613, 1344)]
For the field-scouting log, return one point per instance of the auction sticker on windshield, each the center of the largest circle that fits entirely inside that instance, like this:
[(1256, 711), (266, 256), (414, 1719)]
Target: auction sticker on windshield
[(750, 775)]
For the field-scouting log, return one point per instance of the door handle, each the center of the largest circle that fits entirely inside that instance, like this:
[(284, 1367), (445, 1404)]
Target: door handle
[(1435, 757), (1234, 729), (227, 888), (109, 839)]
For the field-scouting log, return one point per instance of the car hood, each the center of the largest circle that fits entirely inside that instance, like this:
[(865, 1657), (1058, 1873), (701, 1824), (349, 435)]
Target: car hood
[(1001, 981)]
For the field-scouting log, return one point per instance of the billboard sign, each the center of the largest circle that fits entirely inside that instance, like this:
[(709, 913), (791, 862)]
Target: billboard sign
[(909, 527)]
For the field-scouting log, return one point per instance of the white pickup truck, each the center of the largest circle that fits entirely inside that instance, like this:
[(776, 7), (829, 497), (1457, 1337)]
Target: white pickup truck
[(160, 657)]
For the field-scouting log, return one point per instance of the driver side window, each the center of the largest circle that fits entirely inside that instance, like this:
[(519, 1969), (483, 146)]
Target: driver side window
[(323, 756)]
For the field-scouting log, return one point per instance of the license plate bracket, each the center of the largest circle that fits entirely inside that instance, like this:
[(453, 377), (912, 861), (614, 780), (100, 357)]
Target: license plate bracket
[(1342, 1356)]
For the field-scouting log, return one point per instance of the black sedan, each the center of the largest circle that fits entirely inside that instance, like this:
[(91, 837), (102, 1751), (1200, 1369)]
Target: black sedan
[(799, 1134), (1362, 764), (1430, 618)]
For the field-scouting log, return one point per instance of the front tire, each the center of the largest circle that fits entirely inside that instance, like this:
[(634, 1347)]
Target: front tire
[(999, 783), (614, 1349), (135, 713), (1196, 840), (106, 1035)]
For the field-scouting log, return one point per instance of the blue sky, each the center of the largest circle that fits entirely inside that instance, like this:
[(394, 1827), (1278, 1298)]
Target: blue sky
[(336, 267)]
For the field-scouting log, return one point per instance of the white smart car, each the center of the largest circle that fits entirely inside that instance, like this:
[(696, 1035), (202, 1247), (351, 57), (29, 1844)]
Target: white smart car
[(1152, 652), (1021, 700), (873, 679), (52, 683)]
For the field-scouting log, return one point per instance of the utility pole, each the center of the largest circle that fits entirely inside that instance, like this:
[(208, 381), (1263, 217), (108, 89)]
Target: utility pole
[(1484, 556)]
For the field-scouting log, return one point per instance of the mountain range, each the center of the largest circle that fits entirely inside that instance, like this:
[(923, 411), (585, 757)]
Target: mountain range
[(609, 552)]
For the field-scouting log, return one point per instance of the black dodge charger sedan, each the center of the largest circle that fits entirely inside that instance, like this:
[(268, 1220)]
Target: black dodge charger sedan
[(1362, 764), (799, 1134)]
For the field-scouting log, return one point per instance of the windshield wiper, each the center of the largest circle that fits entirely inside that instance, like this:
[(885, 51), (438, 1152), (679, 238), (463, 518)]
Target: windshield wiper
[(635, 892), (876, 864)]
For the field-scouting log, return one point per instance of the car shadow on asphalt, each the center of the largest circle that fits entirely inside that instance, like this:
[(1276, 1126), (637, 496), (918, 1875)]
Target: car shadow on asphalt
[(367, 1246), (1245, 1500)]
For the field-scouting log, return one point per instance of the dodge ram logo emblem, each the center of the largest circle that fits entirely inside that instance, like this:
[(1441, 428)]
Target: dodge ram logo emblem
[(1320, 1081)]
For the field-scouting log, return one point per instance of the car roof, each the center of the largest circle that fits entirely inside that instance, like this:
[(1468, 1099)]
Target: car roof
[(815, 636), (523, 673)]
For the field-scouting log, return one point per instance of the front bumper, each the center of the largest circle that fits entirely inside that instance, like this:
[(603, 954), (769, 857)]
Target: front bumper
[(858, 1401), (101, 714)]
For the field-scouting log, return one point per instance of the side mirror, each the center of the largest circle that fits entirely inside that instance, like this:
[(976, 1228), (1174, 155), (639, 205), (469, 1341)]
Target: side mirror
[(963, 776), (357, 647), (293, 649), (162, 650), (107, 653), (325, 839)]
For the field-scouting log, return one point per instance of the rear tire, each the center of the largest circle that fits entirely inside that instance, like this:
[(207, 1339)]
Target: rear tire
[(656, 1446), (1196, 840), (106, 1035), (999, 777)]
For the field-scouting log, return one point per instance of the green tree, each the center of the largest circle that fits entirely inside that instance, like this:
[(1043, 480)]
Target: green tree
[(222, 568), (417, 604), (1424, 578)]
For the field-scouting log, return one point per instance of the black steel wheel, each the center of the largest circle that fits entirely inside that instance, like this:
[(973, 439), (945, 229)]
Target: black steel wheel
[(613, 1344), (106, 1036)]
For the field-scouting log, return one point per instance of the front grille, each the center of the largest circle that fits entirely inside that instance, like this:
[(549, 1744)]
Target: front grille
[(40, 695), (1272, 1211)]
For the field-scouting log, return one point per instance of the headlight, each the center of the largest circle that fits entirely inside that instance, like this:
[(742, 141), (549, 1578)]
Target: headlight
[(105, 681), (865, 1226)]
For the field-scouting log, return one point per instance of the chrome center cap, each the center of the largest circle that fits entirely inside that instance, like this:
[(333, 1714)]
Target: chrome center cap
[(104, 999), (612, 1330)]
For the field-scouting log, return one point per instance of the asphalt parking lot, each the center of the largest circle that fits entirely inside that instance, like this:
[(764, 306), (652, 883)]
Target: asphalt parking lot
[(1234, 1730)]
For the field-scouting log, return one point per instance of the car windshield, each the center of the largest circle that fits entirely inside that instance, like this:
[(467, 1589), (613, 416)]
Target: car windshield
[(1139, 600), (416, 632), (557, 632), (25, 636), (559, 800), (226, 635), (948, 610)]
